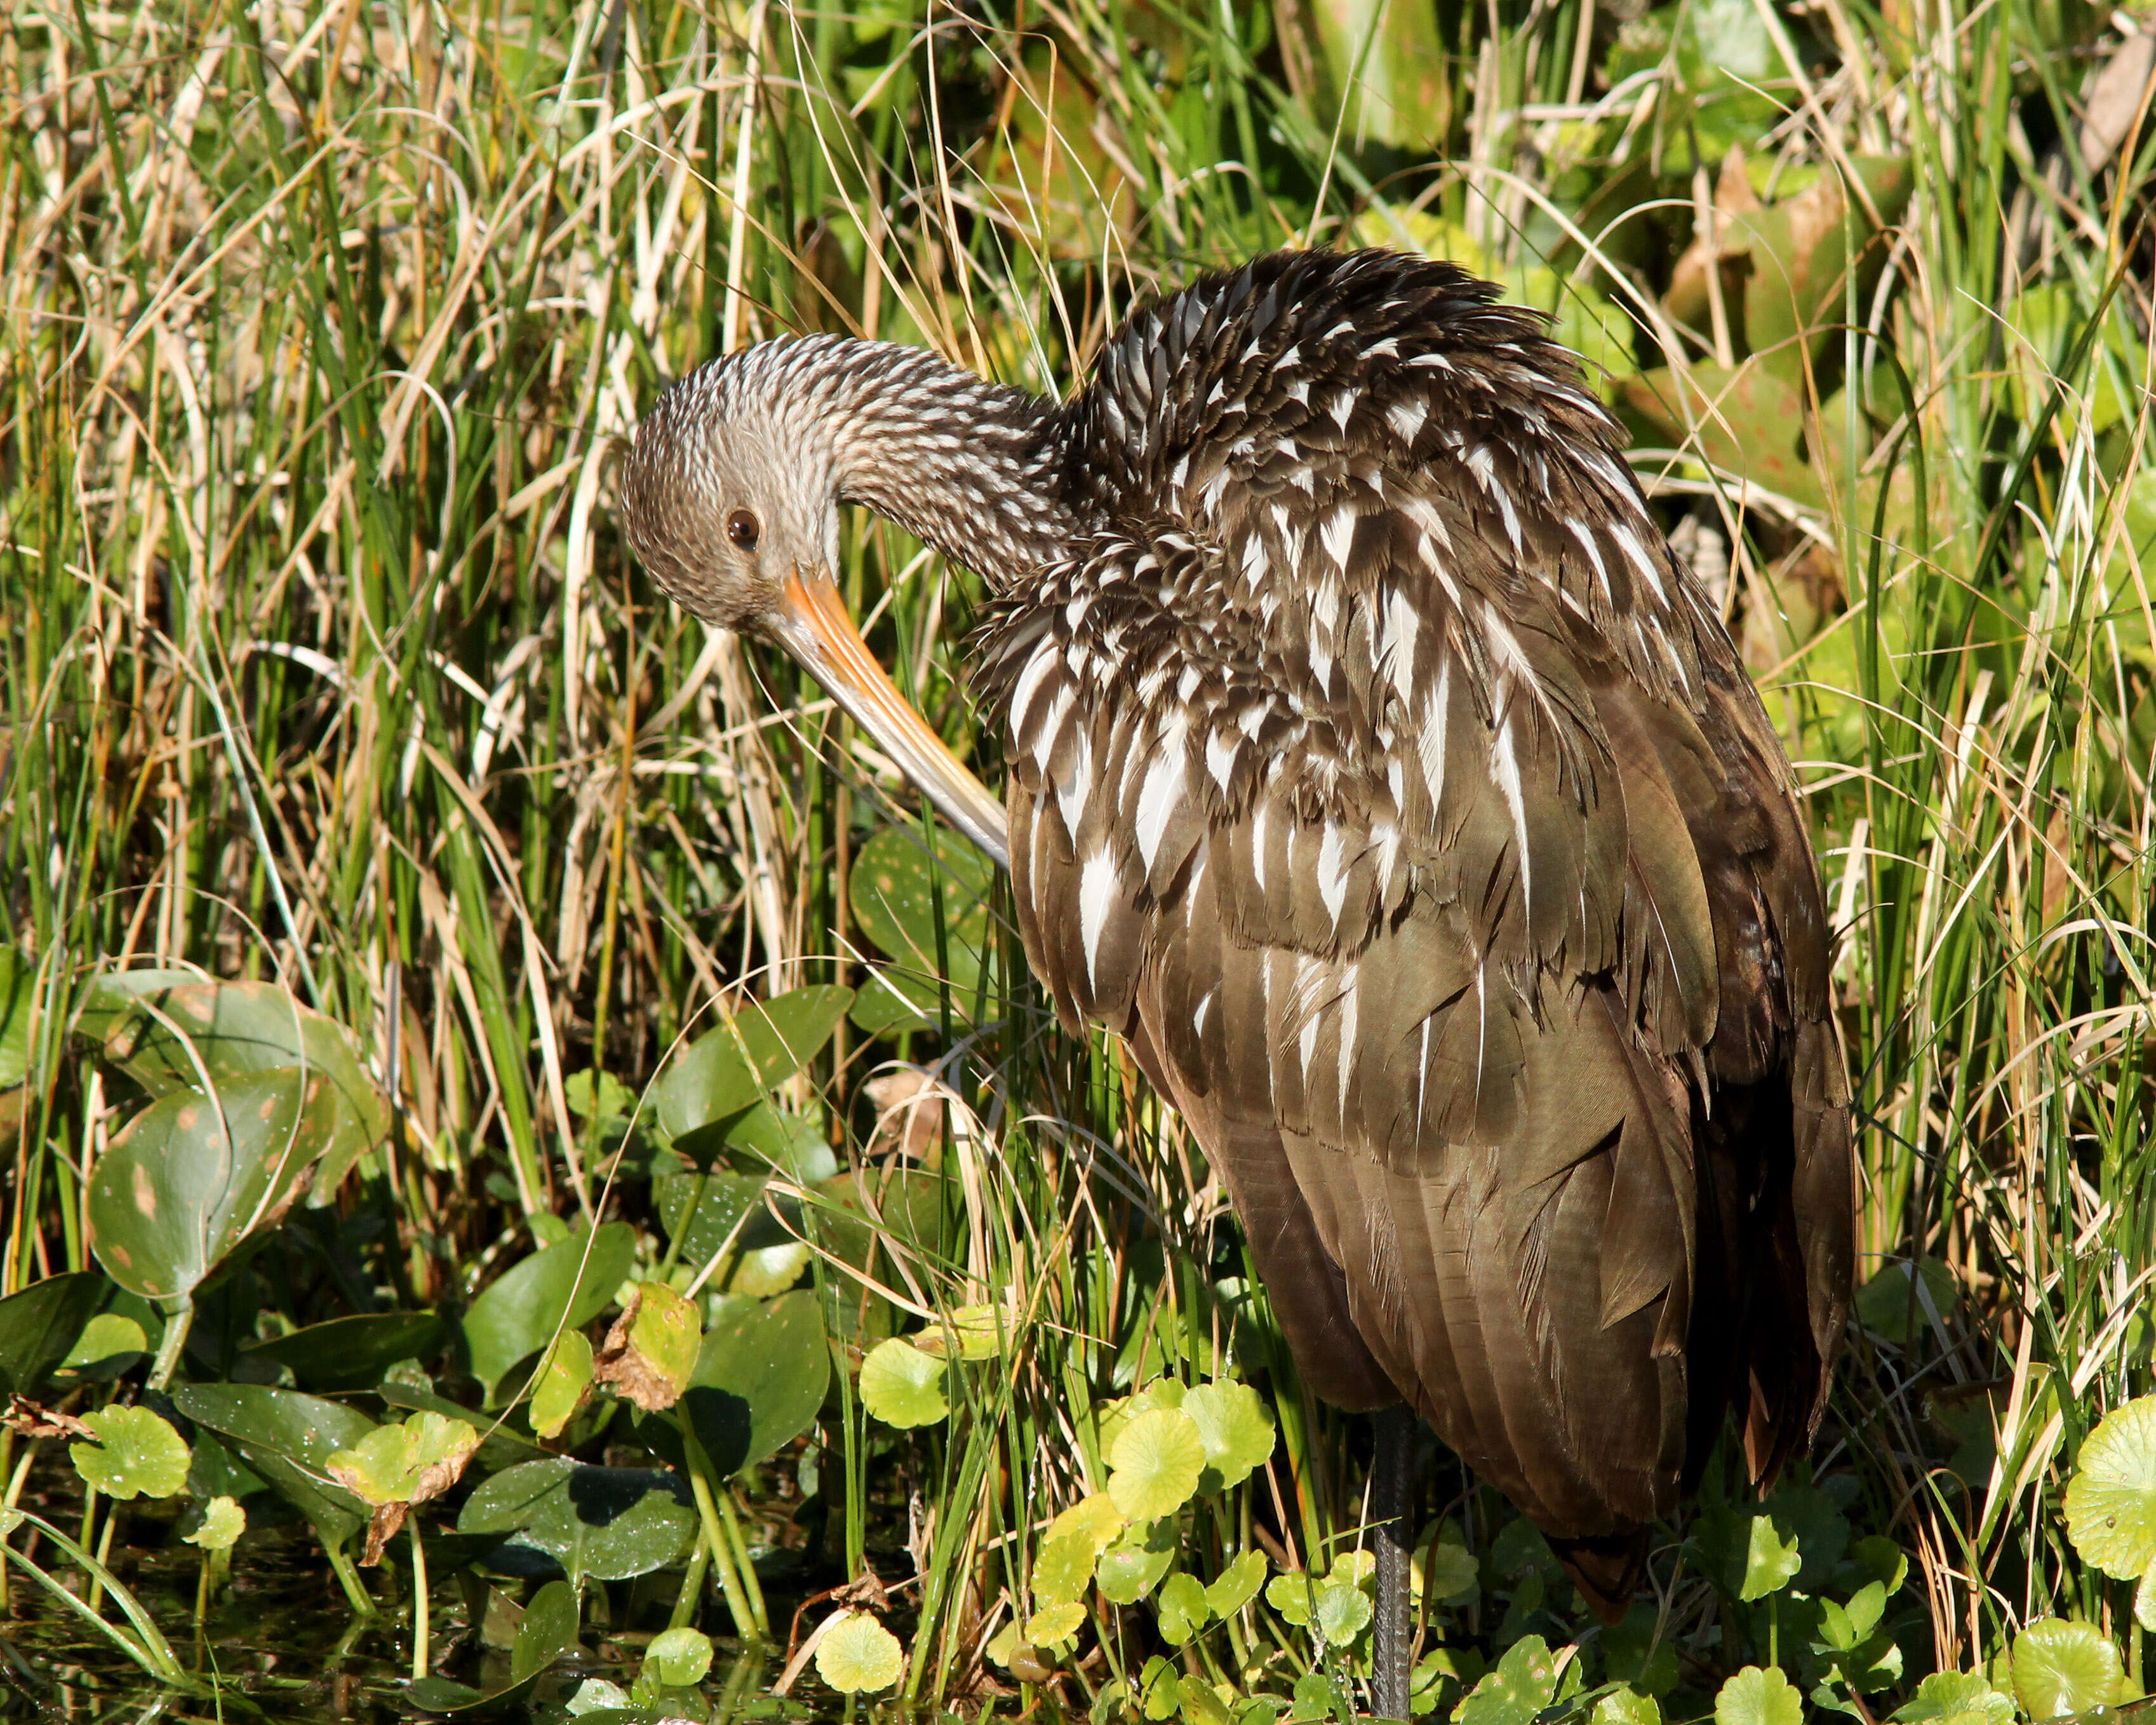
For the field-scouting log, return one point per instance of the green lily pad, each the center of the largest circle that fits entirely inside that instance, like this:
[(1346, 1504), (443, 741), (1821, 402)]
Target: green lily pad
[(902, 1386), (191, 1177), (138, 1454), (352, 1352), (609, 1523), (1236, 1428), (1754, 1696), (39, 1326), (166, 1035), (2111, 1502), (288, 1438), (2062, 1668), (894, 884), (1156, 1461), (562, 1287), (858, 1655), (223, 1521)]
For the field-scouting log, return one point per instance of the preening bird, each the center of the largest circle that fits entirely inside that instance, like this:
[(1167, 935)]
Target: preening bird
[(1376, 771)]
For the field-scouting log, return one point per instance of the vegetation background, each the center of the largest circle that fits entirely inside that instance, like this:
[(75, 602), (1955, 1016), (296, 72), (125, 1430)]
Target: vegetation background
[(322, 666)]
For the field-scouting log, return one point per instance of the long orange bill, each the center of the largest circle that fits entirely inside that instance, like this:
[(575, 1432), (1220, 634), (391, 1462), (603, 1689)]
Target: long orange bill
[(811, 625)]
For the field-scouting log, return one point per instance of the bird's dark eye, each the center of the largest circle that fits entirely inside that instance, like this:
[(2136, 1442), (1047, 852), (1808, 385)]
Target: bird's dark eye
[(742, 528)]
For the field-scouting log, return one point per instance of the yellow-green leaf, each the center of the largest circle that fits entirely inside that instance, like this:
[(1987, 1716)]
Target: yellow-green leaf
[(2110, 1503), (857, 1653), (1157, 1460), (138, 1454), (902, 1386)]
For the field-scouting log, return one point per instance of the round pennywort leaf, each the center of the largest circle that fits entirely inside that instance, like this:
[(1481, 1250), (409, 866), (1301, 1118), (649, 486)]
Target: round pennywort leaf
[(902, 1386), (1156, 1460), (2110, 1503), (2061, 1668), (138, 1454), (1236, 1426), (857, 1654), (1757, 1697)]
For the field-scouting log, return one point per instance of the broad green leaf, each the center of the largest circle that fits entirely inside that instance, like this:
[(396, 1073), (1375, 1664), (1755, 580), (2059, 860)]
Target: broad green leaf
[(235, 1031), (190, 1177), (902, 1386), (2061, 1668), (223, 1521), (1055, 1623), (352, 1352), (653, 1348), (1754, 1696), (563, 1385), (1236, 1427), (858, 1654), (782, 1035), (759, 1378), (39, 1325), (138, 1454), (1182, 1607), (1134, 1560), (564, 1287), (894, 886), (678, 1657), (1626, 1706), (288, 1438), (729, 1212), (709, 1083), (1956, 1698), (2111, 1502), (1156, 1461), (107, 1340), (610, 1523), (1237, 1585)]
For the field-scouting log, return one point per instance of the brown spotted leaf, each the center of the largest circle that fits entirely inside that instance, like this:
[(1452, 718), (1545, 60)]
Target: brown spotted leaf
[(652, 1349)]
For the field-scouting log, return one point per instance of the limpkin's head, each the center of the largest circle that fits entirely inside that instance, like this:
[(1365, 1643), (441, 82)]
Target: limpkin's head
[(730, 497)]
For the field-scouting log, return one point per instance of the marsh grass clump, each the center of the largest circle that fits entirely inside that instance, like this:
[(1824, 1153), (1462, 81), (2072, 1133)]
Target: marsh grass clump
[(475, 1049)]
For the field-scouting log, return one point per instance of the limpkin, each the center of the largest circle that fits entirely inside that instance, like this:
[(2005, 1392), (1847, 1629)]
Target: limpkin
[(1378, 772)]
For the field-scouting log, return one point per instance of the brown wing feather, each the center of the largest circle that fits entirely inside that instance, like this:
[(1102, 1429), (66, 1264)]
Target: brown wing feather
[(1417, 820)]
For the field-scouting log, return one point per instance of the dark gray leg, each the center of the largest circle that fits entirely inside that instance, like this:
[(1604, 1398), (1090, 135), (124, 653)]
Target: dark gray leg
[(1392, 1490)]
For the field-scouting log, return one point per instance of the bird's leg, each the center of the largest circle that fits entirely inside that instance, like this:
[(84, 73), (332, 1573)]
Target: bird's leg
[(1392, 1490)]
